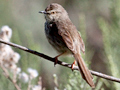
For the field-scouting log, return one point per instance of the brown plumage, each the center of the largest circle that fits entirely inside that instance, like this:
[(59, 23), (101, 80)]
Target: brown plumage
[(64, 37)]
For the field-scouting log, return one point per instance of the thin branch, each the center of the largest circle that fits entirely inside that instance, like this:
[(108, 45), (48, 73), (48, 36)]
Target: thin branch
[(6, 74), (29, 83), (111, 78)]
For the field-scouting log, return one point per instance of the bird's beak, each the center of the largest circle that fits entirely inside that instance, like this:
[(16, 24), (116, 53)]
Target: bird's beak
[(43, 12)]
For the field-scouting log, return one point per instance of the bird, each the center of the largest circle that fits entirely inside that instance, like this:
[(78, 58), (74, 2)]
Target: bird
[(65, 38)]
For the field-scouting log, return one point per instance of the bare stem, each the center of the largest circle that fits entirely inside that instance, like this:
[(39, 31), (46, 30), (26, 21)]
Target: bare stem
[(29, 83), (6, 74), (111, 78)]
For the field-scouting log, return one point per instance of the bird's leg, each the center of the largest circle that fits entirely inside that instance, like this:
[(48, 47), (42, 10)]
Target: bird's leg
[(72, 66), (56, 58)]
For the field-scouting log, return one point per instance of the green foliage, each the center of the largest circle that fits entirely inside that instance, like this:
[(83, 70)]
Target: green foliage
[(28, 31), (76, 82), (111, 38)]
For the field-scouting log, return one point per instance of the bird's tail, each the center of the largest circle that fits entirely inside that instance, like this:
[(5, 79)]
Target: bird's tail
[(84, 70)]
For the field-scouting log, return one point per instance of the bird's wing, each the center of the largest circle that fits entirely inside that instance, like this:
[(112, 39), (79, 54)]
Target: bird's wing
[(82, 45), (67, 37), (74, 42)]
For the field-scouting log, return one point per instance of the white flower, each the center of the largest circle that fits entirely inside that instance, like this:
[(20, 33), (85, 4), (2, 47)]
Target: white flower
[(55, 88), (13, 66), (24, 77), (37, 87), (18, 70), (6, 65), (7, 31), (16, 57), (6, 49), (33, 73), (54, 75)]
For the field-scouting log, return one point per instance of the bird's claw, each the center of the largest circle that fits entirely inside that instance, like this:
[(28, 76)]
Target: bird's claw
[(72, 66)]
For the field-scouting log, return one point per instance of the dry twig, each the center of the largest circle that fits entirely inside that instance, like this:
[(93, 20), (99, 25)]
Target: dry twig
[(6, 74), (111, 78)]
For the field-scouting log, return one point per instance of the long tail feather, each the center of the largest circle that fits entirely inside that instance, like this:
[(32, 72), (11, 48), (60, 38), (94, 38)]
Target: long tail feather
[(84, 70)]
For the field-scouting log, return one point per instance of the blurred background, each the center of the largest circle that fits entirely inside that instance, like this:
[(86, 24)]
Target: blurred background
[(99, 24)]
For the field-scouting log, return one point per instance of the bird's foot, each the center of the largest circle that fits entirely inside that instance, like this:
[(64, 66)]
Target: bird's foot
[(56, 58), (72, 66)]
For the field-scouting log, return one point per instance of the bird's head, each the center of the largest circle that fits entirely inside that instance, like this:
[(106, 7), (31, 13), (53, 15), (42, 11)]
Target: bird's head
[(53, 12)]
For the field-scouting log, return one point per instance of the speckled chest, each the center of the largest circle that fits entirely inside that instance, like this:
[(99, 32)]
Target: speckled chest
[(54, 38)]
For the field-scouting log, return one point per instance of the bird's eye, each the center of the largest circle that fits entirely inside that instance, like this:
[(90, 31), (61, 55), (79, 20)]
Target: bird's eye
[(52, 12)]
